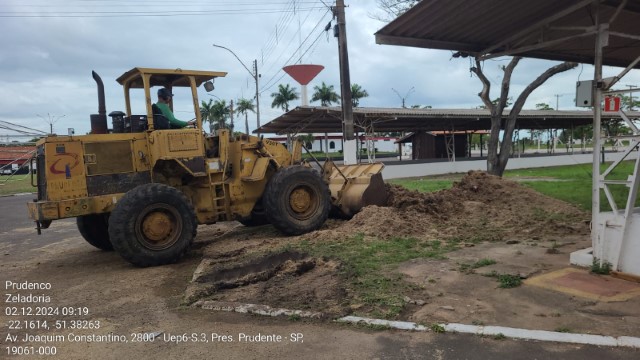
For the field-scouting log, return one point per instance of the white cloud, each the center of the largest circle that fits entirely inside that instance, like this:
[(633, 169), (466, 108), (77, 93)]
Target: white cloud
[(46, 62)]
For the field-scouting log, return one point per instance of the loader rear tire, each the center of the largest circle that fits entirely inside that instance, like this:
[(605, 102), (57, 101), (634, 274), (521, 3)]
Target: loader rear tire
[(153, 224), (94, 229), (296, 200)]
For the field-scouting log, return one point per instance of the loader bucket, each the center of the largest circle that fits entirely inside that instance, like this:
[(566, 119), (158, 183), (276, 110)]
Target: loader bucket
[(355, 186)]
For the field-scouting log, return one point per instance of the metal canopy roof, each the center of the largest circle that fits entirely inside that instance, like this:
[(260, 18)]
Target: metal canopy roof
[(546, 29), (310, 119), (166, 77)]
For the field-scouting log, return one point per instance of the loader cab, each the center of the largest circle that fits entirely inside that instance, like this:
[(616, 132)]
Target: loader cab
[(144, 82)]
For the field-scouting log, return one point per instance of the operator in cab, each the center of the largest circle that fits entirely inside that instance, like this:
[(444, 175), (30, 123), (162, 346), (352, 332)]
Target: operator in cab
[(164, 99)]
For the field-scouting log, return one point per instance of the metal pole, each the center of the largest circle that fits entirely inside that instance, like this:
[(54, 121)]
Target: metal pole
[(231, 117), (630, 96), (601, 41), (256, 76), (326, 145), (345, 84)]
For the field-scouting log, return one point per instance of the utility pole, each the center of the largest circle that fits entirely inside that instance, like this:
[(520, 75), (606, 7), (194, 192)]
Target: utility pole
[(558, 96), (256, 76), (231, 116), (631, 87), (350, 145)]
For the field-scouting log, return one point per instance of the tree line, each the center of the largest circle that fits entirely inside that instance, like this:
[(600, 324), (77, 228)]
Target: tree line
[(218, 113)]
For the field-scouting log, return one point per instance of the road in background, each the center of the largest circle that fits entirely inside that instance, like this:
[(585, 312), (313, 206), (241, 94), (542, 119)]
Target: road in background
[(414, 168)]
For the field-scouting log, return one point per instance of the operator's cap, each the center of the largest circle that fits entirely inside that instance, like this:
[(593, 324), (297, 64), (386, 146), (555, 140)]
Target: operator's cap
[(164, 92)]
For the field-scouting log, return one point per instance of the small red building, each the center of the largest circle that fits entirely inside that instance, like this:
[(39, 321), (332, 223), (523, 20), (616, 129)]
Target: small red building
[(15, 158)]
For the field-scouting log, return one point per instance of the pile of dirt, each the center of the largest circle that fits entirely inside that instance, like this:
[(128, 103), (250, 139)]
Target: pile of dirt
[(476, 186), (478, 209), (479, 206)]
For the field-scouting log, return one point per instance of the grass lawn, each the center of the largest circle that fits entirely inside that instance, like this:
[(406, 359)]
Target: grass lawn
[(15, 184), (368, 265), (570, 183), (424, 184)]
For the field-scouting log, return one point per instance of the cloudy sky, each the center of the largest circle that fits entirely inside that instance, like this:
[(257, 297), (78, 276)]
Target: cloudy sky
[(49, 47)]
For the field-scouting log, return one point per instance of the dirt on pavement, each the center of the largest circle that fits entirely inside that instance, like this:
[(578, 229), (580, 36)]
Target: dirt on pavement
[(522, 232)]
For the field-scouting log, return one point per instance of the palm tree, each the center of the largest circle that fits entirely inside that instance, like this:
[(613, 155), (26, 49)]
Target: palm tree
[(325, 94), (307, 140), (281, 98), (206, 109), (357, 93), (219, 114), (244, 106)]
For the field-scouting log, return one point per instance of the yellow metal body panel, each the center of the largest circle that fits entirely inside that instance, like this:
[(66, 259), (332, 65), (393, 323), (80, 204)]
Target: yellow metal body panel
[(52, 210), (259, 170), (175, 144), (141, 154), (182, 141), (111, 157), (296, 154), (65, 170)]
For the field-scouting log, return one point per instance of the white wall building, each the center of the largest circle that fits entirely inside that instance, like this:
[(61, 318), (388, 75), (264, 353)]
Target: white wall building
[(332, 143)]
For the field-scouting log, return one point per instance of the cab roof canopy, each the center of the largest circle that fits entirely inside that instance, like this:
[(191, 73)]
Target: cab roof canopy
[(166, 77), (547, 29)]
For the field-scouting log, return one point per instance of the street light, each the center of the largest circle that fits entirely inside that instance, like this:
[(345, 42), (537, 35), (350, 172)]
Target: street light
[(254, 74), (406, 96), (51, 120)]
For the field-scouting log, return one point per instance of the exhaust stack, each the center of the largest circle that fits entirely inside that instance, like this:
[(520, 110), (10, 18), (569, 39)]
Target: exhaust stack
[(99, 120)]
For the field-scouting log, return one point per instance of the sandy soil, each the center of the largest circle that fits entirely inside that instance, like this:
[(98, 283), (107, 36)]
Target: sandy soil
[(486, 217)]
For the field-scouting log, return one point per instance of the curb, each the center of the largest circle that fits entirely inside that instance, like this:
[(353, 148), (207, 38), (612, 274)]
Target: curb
[(18, 194), (400, 325), (254, 309), (509, 332), (514, 333)]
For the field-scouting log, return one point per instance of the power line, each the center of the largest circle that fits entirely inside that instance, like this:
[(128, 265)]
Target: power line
[(291, 40), (267, 85), (282, 23), (111, 14), (26, 133), (171, 3), (12, 126), (281, 76)]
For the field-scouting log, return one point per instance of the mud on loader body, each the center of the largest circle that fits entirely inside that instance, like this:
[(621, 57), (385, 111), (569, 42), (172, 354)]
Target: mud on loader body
[(143, 191)]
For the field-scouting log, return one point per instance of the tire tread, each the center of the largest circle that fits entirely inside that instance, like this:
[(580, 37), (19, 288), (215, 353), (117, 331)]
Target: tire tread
[(122, 225)]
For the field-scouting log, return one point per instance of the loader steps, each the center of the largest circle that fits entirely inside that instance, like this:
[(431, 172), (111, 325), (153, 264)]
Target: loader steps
[(220, 200)]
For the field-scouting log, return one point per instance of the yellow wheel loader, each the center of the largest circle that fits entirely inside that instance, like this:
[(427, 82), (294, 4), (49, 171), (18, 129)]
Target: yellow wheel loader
[(142, 189)]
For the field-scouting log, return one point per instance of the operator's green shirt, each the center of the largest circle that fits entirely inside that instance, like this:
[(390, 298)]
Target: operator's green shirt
[(166, 111)]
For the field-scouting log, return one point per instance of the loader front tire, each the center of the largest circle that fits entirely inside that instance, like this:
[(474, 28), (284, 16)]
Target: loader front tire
[(152, 224), (296, 200), (94, 228)]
